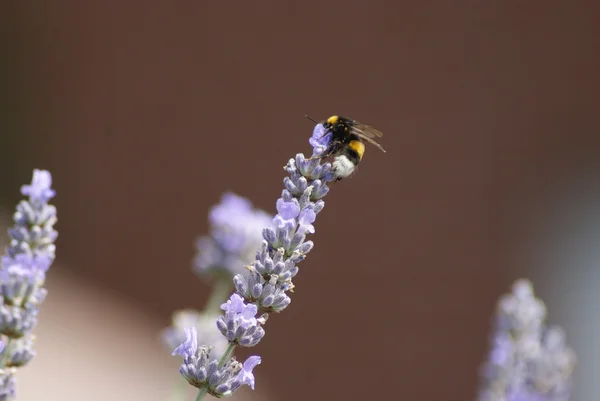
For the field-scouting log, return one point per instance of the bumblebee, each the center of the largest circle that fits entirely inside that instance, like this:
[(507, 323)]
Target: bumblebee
[(347, 143)]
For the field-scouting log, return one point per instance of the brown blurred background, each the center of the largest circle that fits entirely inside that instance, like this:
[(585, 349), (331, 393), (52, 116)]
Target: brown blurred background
[(145, 112)]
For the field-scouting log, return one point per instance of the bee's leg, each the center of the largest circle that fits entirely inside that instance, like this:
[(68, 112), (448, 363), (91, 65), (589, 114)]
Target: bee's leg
[(325, 133), (325, 154)]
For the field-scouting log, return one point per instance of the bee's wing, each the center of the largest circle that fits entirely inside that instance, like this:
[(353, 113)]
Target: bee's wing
[(368, 133)]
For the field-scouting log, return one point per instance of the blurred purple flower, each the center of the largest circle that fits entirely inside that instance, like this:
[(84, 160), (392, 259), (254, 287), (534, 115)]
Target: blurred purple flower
[(7, 384), (22, 274), (235, 236), (39, 191), (33, 233), (528, 361)]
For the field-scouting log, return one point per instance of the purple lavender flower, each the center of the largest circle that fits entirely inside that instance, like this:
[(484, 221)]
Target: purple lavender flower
[(7, 384), (239, 325), (22, 275), (320, 139), (245, 375), (235, 236), (22, 352), (528, 361), (205, 372), (33, 233), (40, 191)]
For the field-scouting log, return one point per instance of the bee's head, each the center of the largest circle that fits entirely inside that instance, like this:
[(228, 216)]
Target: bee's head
[(331, 122)]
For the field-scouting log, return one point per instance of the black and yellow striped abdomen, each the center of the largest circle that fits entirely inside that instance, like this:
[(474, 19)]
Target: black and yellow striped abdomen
[(354, 151)]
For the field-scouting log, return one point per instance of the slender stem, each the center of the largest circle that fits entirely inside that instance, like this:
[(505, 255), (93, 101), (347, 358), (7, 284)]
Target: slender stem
[(219, 294), (201, 394), (179, 390), (227, 354), (5, 353)]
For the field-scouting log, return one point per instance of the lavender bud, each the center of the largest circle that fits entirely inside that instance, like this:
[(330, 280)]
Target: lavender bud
[(318, 206), (298, 239), (286, 197), (303, 165), (291, 187), (302, 185), (257, 289), (22, 351), (273, 298), (283, 236), (242, 286), (319, 190), (269, 235), (267, 268), (16, 321), (304, 248)]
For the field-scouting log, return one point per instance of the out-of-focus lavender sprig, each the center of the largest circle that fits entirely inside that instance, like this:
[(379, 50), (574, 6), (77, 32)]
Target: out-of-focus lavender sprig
[(265, 286), (22, 275), (235, 235), (528, 361)]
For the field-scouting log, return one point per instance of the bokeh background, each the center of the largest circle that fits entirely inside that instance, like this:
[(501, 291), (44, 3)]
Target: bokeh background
[(145, 112)]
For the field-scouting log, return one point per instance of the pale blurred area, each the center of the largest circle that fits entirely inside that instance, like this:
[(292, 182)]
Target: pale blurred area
[(563, 251), (93, 344)]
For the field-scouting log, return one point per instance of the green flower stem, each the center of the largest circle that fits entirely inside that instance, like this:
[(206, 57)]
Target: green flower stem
[(219, 294), (201, 394), (5, 353), (179, 390), (227, 354)]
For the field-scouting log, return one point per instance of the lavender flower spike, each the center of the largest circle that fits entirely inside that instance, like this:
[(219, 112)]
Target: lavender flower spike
[(265, 286), (528, 361), (235, 236), (22, 275)]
